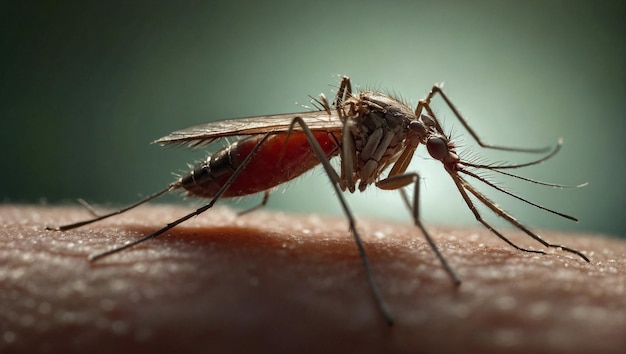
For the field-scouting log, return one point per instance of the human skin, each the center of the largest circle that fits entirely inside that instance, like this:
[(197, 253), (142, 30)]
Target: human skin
[(280, 283)]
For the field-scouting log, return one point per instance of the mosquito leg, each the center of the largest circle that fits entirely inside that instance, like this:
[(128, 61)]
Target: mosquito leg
[(199, 211), (425, 104), (498, 167), (88, 207), (406, 200), (334, 178), (169, 188), (266, 197), (400, 181), (348, 152)]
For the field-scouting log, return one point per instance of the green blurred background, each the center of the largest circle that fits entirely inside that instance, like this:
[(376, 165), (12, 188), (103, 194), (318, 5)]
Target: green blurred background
[(85, 87)]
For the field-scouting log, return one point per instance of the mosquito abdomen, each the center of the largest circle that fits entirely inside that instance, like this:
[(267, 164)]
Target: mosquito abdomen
[(280, 159)]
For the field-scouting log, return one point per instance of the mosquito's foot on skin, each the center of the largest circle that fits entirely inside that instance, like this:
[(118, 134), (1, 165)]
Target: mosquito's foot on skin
[(533, 251)]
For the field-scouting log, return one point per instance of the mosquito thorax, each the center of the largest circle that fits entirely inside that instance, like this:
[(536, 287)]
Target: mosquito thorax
[(379, 125)]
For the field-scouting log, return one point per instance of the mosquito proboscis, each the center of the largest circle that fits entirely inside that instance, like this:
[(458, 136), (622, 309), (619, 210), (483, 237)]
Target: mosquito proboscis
[(371, 132)]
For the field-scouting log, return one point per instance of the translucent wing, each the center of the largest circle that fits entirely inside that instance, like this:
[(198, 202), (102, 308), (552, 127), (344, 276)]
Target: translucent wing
[(208, 132)]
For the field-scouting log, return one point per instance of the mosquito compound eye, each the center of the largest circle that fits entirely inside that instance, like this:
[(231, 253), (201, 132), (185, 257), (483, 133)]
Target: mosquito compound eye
[(437, 148)]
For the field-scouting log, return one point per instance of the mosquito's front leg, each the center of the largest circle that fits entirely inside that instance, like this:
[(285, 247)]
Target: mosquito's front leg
[(425, 104)]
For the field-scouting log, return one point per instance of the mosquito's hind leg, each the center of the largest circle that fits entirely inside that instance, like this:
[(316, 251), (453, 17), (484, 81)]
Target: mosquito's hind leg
[(169, 188), (425, 104), (266, 197), (88, 207), (198, 211)]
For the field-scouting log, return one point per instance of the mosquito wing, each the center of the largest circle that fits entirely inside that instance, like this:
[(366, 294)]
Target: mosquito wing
[(208, 132)]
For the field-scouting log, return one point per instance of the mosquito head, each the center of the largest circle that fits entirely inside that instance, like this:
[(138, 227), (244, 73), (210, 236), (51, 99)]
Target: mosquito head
[(442, 149)]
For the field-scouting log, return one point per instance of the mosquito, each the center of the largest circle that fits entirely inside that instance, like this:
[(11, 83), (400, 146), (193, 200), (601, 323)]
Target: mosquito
[(371, 132)]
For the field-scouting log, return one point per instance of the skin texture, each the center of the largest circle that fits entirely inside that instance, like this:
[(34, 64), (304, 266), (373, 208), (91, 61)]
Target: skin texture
[(273, 282)]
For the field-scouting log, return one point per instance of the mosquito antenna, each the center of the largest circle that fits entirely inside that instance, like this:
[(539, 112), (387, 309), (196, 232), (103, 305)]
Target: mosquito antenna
[(490, 184), (117, 212)]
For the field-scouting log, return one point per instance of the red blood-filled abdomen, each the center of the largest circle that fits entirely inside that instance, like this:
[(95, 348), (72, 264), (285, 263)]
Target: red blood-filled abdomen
[(278, 160)]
